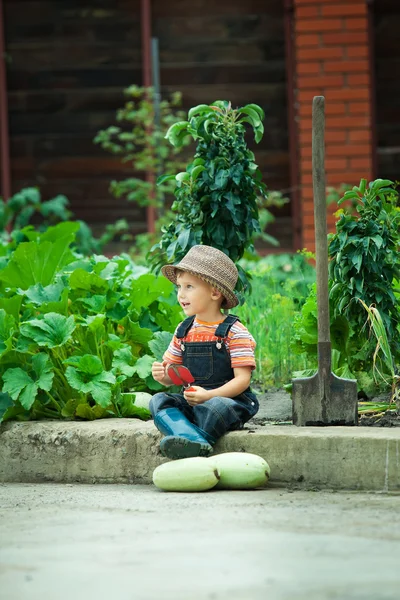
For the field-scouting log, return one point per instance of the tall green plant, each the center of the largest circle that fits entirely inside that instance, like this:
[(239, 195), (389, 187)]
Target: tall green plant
[(216, 196), (363, 271), (365, 258)]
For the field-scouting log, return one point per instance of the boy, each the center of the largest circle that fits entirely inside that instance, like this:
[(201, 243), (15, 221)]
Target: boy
[(217, 349)]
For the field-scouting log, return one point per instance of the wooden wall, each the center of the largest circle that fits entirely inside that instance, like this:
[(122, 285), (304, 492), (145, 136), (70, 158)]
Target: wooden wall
[(387, 87), (69, 61)]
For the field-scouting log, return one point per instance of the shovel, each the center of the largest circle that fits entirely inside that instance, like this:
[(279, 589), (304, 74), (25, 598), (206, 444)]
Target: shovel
[(323, 399)]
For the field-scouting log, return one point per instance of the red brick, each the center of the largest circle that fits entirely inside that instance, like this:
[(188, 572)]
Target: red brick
[(348, 94), (318, 83), (303, 2), (307, 219), (304, 40), (319, 53), (359, 108), (360, 135), (318, 25), (336, 164), (361, 163), (332, 108), (305, 177), (307, 193), (348, 122), (304, 12), (354, 79), (344, 39), (349, 150), (344, 10), (357, 52), (349, 176), (357, 24), (336, 136), (346, 66), (309, 68)]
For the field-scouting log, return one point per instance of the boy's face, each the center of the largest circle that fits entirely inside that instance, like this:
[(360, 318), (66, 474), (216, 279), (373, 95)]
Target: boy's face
[(195, 295)]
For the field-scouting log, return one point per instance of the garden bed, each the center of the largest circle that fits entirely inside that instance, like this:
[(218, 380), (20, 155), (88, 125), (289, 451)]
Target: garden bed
[(276, 409)]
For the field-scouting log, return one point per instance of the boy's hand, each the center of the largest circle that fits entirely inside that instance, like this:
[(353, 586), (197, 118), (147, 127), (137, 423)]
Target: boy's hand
[(196, 395), (158, 371)]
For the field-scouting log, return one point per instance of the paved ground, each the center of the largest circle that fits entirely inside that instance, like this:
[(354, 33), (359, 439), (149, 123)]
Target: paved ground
[(122, 542)]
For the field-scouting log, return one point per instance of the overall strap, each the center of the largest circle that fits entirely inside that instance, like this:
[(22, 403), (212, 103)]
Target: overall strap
[(224, 327), (184, 327)]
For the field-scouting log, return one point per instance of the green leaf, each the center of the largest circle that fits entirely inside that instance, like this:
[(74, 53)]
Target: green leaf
[(20, 386), (143, 366), (160, 343), (34, 262), (37, 294), (90, 413), (252, 114), (43, 368), (5, 403), (7, 327), (51, 331), (221, 179), (99, 386), (122, 361), (82, 280), (200, 108), (88, 364), (12, 306)]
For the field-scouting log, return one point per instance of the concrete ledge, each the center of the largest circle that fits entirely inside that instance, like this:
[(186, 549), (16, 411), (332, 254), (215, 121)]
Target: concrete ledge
[(126, 451)]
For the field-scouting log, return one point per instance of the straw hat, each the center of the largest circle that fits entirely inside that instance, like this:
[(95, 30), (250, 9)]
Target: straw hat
[(213, 267)]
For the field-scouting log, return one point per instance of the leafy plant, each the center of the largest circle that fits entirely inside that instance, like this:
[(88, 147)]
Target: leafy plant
[(140, 142), (27, 206), (365, 260), (77, 333), (216, 196), (383, 361), (363, 269)]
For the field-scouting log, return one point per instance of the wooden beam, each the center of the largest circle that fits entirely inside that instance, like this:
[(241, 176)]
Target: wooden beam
[(4, 135)]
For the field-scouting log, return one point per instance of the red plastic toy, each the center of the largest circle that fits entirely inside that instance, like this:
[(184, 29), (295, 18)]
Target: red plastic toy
[(180, 375)]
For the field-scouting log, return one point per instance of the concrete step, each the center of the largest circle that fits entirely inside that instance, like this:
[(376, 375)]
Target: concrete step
[(126, 451)]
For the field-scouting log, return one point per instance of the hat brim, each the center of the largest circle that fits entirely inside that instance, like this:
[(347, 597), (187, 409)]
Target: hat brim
[(231, 300)]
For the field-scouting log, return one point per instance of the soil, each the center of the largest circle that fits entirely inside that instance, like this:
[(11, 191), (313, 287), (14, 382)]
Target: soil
[(276, 409)]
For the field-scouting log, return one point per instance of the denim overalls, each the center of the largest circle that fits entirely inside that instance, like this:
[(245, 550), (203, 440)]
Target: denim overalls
[(210, 365)]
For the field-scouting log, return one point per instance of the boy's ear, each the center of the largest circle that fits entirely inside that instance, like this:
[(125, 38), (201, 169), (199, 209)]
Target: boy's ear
[(216, 294)]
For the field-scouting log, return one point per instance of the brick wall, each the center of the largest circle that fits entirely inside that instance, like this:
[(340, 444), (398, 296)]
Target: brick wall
[(332, 59)]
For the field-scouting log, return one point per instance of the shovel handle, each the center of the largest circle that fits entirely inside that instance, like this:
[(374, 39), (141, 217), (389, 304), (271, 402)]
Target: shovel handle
[(321, 242)]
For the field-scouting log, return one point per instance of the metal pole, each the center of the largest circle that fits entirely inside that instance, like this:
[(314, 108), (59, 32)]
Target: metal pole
[(4, 136), (155, 61), (146, 54), (292, 125)]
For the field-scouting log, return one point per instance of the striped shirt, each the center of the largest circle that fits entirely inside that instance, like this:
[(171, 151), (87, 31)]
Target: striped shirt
[(239, 343)]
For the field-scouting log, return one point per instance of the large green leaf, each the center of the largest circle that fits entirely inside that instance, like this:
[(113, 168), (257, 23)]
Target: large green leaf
[(43, 368), (99, 386), (12, 305), (7, 327), (5, 403), (143, 366), (20, 386), (122, 362), (50, 331), (82, 280), (88, 364), (34, 262), (160, 343), (39, 294)]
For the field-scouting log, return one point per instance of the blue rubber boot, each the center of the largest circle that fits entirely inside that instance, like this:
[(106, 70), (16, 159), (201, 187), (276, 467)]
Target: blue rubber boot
[(183, 438)]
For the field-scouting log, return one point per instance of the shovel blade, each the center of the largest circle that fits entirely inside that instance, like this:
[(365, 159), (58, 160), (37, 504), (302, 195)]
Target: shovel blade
[(321, 401)]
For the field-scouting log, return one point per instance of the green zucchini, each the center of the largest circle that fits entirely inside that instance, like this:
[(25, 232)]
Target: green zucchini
[(195, 474), (241, 470)]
